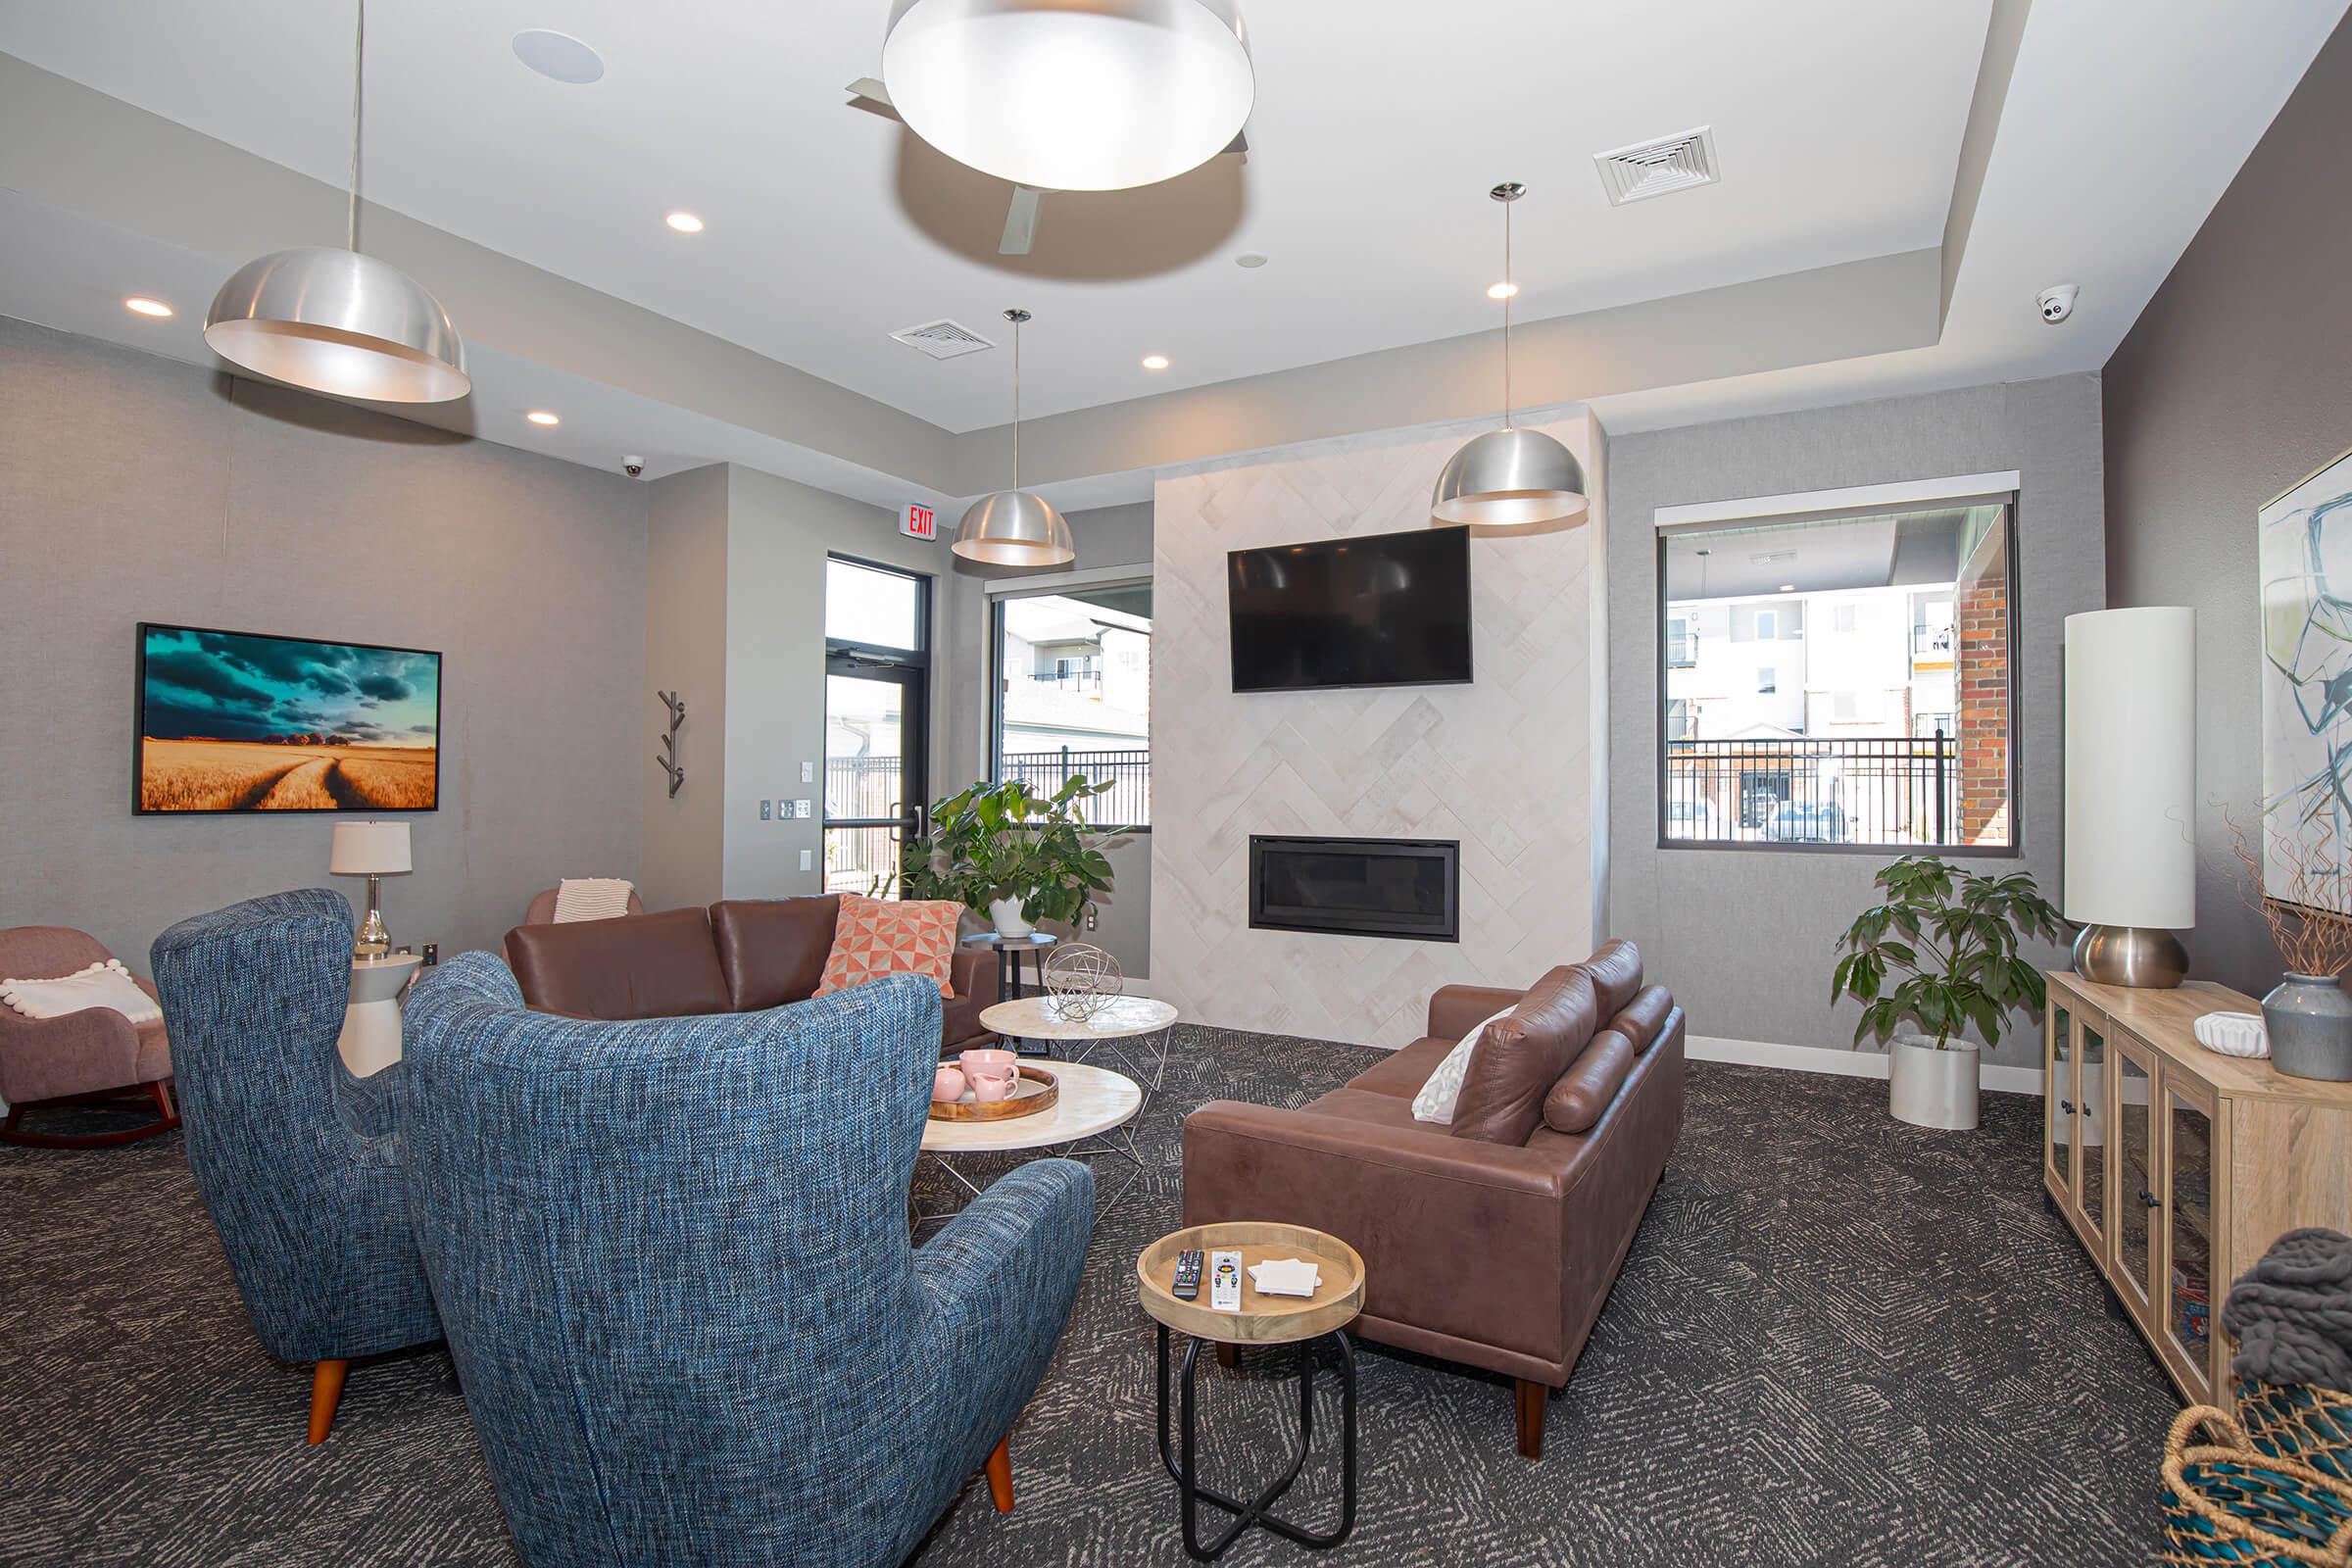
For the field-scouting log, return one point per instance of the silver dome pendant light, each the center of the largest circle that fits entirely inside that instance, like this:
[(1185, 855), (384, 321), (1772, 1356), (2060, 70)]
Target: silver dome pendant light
[(1510, 478), (336, 321), (1014, 528)]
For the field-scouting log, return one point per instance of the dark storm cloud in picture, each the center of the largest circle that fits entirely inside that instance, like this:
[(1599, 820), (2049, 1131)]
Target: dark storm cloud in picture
[(206, 685)]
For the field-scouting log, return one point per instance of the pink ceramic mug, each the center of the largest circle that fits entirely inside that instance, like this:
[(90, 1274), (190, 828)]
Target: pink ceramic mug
[(993, 1074), (947, 1083)]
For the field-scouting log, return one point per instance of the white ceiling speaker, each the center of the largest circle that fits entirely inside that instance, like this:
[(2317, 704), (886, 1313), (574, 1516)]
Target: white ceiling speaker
[(1105, 95), (336, 321), (1015, 528), (1510, 478)]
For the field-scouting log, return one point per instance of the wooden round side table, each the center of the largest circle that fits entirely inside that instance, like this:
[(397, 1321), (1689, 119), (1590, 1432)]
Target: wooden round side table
[(1305, 1321)]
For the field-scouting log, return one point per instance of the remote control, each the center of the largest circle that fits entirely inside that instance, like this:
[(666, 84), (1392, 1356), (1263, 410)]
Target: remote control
[(1225, 1281), (1188, 1276)]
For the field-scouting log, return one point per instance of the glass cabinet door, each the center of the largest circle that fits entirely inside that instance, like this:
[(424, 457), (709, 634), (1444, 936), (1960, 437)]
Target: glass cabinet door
[(2090, 1083), (2188, 1289), (2134, 1129), (2058, 1097)]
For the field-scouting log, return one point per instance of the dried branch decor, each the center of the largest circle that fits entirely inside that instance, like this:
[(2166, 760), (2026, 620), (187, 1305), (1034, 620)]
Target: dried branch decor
[(2306, 866)]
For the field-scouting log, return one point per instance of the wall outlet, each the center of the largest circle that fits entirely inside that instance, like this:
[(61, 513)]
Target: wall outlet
[(808, 859), (808, 772), (766, 809)]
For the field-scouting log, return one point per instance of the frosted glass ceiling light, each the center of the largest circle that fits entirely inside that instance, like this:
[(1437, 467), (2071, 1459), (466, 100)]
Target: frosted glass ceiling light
[(1071, 94), (1015, 528), (1510, 478), (335, 320)]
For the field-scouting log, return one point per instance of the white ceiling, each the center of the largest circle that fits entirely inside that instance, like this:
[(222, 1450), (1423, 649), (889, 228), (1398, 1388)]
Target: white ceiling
[(1380, 124)]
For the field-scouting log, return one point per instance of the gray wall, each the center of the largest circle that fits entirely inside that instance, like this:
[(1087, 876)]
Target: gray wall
[(134, 488), (2236, 382), (1744, 937), (1107, 536), (686, 655)]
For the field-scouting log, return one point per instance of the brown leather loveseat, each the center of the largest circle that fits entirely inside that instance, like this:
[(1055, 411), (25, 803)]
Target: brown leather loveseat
[(1494, 1240), (739, 956)]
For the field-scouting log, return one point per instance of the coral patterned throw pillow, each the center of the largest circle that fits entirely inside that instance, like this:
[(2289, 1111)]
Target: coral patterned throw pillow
[(875, 937)]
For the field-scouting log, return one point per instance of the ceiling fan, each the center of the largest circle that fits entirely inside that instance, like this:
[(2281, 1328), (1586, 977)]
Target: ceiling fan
[(1021, 217)]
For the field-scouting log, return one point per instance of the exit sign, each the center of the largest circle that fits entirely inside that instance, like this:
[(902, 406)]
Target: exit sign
[(918, 522)]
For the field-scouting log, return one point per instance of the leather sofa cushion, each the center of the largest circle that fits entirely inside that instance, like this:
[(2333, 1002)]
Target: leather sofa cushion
[(637, 966), (1616, 971), (773, 950), (1520, 1058), (1403, 1072), (1575, 1100), (1641, 1019)]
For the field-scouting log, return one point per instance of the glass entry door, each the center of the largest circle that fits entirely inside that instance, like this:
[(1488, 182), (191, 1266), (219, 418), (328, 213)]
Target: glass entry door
[(877, 717)]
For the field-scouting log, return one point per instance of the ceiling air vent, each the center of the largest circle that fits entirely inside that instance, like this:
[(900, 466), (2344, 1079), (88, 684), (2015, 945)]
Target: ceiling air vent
[(943, 340), (1655, 168)]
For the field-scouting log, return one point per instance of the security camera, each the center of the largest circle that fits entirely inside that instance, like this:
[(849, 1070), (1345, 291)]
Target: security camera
[(2057, 302), (634, 467)]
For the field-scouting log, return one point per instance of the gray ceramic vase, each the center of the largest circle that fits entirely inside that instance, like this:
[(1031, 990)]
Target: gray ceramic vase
[(2309, 1019)]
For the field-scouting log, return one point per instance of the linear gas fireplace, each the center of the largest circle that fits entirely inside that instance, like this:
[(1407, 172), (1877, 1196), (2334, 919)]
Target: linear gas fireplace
[(1357, 887)]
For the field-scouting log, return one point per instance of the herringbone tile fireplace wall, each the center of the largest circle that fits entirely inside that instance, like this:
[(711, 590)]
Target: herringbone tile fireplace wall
[(1505, 764)]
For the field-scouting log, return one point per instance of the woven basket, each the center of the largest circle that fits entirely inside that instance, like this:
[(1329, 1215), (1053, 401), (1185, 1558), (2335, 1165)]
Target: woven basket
[(2297, 1421), (2227, 1502)]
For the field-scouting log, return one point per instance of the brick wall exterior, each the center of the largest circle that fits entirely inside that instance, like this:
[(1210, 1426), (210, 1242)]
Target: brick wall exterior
[(1981, 681)]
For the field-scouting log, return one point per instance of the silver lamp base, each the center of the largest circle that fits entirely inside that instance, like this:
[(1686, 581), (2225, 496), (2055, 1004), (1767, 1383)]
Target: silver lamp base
[(2130, 955)]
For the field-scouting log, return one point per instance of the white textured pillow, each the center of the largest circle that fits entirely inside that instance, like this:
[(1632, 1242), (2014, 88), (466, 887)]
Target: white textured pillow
[(592, 898), (101, 985), (1434, 1102)]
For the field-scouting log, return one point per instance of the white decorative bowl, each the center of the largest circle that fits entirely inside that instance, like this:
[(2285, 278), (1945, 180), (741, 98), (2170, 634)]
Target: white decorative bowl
[(2234, 1034)]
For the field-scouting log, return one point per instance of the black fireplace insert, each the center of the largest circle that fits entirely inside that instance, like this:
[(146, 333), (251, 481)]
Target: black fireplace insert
[(1410, 888)]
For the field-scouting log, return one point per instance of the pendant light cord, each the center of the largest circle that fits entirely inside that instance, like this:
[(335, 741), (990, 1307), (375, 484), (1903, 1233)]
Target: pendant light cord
[(1017, 404), (359, 77), (1510, 282)]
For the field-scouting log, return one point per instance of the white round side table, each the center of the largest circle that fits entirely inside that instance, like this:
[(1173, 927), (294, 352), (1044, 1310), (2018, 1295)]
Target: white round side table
[(371, 1037)]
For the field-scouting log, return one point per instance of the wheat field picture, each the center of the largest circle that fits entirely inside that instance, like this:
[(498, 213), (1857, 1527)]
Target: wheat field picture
[(232, 722)]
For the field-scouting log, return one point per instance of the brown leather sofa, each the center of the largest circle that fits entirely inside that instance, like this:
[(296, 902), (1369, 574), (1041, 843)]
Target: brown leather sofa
[(1493, 1242), (739, 956)]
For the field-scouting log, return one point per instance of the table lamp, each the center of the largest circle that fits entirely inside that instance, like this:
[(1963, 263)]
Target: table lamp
[(372, 850), (2130, 792)]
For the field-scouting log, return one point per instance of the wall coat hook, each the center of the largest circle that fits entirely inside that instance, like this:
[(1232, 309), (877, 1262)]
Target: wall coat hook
[(668, 756)]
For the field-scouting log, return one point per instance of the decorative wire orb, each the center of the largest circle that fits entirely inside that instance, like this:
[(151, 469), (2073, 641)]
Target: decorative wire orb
[(1081, 979)]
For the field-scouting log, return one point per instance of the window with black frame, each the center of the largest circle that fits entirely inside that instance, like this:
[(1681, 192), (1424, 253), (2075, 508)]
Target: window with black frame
[(1839, 681), (1074, 693)]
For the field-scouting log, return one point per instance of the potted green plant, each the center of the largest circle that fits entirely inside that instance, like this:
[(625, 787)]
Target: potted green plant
[(1941, 951), (1018, 855)]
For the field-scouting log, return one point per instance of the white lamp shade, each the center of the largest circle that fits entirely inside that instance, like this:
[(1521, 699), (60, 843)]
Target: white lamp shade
[(2131, 767), (1102, 95), (370, 849)]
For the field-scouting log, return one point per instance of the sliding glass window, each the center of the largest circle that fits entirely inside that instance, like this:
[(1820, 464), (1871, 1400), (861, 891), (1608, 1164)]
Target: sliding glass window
[(1074, 693), (1839, 681)]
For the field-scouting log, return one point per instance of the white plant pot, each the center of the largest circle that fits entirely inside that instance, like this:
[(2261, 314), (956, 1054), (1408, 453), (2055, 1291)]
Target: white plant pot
[(1005, 915), (1930, 1088)]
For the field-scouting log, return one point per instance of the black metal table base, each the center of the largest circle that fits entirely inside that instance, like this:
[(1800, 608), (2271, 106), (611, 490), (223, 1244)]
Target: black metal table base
[(1185, 1469)]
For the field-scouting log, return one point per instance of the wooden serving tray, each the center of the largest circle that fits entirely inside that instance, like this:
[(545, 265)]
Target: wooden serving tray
[(1039, 1090)]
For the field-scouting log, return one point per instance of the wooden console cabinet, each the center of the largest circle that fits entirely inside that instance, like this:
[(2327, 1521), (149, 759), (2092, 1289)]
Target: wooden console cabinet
[(2177, 1166)]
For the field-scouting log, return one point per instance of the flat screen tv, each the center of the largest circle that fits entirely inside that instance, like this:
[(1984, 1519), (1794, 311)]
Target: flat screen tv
[(1380, 610), (236, 721)]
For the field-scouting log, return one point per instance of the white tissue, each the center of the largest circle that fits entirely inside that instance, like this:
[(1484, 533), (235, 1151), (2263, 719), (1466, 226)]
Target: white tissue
[(1286, 1276)]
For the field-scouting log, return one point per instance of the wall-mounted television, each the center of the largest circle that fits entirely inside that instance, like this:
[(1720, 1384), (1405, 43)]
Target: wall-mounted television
[(1379, 610), (238, 722)]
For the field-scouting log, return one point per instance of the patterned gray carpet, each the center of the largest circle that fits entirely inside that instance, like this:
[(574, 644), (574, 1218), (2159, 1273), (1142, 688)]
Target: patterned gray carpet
[(1838, 1340)]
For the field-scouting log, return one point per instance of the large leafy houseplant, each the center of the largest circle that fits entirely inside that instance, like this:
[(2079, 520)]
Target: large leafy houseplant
[(1948, 941), (994, 843)]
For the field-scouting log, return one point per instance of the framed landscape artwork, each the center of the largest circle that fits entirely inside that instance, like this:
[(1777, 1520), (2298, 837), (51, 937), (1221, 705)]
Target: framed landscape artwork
[(235, 721), (2305, 571)]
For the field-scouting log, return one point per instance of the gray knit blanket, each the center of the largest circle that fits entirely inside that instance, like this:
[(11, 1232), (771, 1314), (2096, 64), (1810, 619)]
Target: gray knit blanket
[(2292, 1313)]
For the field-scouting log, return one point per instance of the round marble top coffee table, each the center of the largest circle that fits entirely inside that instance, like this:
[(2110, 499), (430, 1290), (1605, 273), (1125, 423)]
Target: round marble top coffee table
[(1095, 1105), (1119, 1018)]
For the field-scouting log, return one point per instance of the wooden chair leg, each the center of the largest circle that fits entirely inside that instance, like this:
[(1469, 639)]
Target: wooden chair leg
[(1000, 1474), (1532, 1399), (1228, 1355), (326, 1391), (161, 1092)]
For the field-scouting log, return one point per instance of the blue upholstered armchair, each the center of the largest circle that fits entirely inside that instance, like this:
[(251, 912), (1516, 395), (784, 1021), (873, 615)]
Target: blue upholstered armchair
[(298, 1162), (672, 1259)]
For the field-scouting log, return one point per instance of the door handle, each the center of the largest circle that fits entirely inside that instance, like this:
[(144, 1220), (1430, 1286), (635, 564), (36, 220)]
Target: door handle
[(2150, 1198), (2067, 1105)]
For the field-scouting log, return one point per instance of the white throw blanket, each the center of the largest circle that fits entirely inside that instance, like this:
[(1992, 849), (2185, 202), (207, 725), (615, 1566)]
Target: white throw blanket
[(592, 898), (101, 985)]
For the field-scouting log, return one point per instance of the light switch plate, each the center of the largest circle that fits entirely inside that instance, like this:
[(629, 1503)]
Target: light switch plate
[(808, 772), (766, 809), (799, 809), (807, 860)]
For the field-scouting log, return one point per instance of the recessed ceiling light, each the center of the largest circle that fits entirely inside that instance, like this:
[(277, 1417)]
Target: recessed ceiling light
[(1502, 291), (1250, 259), (1788, 587), (559, 56), (684, 222), (144, 306), (1155, 362), (542, 416)]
